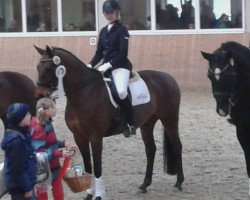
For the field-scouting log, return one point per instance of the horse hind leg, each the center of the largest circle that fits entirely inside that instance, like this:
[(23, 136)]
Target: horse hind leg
[(173, 152), (150, 148)]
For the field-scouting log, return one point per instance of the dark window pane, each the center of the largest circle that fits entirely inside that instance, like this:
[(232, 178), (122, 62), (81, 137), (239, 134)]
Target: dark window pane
[(221, 14), (174, 14), (134, 14), (41, 15), (78, 15), (10, 16)]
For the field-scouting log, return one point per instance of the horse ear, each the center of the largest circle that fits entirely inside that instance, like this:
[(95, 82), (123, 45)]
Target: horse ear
[(49, 51), (207, 56), (39, 50)]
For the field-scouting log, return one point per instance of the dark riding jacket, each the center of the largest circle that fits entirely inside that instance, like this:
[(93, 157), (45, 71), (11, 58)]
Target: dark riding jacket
[(113, 47), (20, 160)]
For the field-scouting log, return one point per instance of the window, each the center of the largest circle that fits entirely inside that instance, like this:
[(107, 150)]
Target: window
[(174, 14), (41, 15), (83, 17), (220, 14), (10, 16), (79, 17), (134, 14)]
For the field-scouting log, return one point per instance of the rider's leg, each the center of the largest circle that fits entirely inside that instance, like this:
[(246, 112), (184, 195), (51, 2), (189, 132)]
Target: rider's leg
[(121, 78)]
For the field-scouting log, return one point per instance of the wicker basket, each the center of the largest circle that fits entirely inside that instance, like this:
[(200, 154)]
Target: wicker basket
[(78, 183)]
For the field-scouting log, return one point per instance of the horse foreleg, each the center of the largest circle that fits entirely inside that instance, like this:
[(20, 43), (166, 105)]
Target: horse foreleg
[(84, 148), (150, 148), (244, 139), (96, 146)]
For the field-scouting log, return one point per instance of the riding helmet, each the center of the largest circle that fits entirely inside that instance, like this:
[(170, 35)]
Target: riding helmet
[(110, 6)]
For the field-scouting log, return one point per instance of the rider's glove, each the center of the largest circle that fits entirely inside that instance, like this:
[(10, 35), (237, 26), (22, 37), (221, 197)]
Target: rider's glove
[(89, 66), (104, 67)]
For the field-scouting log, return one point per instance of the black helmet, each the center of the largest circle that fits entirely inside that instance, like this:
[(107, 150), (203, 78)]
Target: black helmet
[(110, 6)]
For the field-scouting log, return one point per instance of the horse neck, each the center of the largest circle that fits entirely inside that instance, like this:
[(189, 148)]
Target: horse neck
[(79, 76)]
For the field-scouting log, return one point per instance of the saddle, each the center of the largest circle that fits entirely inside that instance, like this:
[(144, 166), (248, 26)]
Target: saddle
[(137, 89)]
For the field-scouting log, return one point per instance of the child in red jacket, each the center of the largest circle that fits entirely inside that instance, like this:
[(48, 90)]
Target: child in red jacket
[(45, 140)]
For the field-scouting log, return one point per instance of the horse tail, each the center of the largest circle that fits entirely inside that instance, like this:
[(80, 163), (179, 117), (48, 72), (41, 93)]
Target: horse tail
[(169, 159)]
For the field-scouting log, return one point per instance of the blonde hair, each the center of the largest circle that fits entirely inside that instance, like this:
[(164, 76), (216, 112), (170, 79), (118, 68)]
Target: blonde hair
[(41, 106)]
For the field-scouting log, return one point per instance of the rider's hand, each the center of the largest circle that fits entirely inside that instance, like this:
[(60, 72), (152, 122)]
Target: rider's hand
[(103, 68), (89, 65)]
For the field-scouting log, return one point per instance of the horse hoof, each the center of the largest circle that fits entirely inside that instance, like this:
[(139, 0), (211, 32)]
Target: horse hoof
[(98, 198), (89, 197), (142, 190), (178, 186)]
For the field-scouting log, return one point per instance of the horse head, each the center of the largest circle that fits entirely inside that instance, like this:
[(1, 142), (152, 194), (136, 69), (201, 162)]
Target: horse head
[(220, 73), (46, 68)]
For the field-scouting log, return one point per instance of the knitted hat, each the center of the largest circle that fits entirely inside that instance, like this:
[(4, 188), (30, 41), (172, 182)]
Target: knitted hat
[(16, 112)]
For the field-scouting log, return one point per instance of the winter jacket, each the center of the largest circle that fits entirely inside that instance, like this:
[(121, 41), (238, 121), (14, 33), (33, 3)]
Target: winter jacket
[(20, 161), (44, 140), (113, 47)]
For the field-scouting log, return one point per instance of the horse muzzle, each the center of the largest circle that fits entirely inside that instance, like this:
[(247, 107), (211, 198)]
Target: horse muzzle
[(222, 109)]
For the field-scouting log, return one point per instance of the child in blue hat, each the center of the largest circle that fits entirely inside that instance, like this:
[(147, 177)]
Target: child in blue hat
[(20, 160)]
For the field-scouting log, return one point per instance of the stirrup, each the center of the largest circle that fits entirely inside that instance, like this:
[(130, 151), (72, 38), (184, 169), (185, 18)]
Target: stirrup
[(130, 130)]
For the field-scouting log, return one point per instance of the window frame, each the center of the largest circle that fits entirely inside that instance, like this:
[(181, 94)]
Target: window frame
[(152, 31)]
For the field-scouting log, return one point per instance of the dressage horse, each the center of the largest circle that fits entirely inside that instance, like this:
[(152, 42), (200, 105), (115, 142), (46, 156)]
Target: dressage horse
[(91, 116), (16, 87), (229, 73)]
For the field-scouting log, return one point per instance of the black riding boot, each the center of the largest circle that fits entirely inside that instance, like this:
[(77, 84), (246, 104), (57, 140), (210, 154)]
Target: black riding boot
[(127, 108)]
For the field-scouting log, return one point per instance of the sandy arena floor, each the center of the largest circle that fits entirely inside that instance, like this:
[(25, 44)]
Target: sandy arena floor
[(213, 161)]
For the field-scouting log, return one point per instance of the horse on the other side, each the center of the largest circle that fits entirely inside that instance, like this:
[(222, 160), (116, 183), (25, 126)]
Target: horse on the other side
[(229, 73), (17, 87)]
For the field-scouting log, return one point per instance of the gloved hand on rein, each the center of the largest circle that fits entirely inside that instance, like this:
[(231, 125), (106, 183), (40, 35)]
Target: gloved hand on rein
[(104, 67), (89, 65)]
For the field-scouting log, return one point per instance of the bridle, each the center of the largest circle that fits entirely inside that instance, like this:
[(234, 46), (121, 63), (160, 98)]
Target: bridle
[(236, 92), (53, 86)]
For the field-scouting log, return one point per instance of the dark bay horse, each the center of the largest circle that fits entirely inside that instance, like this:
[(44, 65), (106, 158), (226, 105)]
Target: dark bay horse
[(91, 116), (229, 72), (17, 87)]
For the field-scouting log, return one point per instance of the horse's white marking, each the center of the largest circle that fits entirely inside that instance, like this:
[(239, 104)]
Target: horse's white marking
[(232, 62), (99, 188), (221, 113), (60, 73), (217, 73), (91, 190)]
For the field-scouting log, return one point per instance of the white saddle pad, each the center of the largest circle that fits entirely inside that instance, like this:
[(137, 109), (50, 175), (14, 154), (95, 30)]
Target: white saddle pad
[(139, 91)]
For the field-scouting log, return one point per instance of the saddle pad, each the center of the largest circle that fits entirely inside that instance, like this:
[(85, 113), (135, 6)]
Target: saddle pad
[(138, 89)]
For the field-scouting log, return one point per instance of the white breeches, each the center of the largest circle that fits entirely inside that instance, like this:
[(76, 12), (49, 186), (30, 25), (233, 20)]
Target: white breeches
[(121, 78)]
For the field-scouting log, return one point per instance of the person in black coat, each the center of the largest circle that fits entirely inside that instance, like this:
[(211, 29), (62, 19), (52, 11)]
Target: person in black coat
[(20, 160), (112, 48)]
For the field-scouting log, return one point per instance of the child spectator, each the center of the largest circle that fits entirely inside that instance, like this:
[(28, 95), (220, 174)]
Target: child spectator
[(45, 140), (20, 160)]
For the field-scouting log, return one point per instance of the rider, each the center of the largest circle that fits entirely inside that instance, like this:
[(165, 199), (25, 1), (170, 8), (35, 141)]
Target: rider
[(112, 47)]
